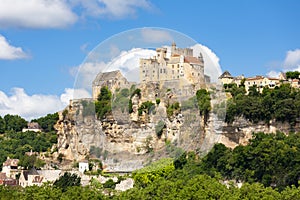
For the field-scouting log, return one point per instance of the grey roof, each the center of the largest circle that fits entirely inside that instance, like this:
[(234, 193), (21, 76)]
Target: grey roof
[(226, 74), (105, 76)]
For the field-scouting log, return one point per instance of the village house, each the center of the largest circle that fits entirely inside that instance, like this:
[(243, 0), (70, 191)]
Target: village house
[(113, 80), (4, 180), (10, 167), (259, 81), (38, 177), (30, 178), (32, 126), (83, 166)]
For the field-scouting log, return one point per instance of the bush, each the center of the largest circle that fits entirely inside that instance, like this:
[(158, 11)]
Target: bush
[(159, 128)]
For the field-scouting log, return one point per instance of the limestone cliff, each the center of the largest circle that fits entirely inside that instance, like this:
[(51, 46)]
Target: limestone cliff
[(126, 141), (240, 131)]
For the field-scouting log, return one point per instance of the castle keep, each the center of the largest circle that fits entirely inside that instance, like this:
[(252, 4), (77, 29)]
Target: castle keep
[(180, 71), (180, 67)]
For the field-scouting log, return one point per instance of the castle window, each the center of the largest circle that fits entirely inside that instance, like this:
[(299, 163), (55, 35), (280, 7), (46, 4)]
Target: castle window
[(160, 70), (177, 65), (164, 70), (198, 74), (172, 71), (193, 74), (153, 71), (173, 66), (177, 76)]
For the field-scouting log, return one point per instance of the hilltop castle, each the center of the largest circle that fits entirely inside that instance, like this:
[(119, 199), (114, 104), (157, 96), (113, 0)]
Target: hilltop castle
[(181, 72), (181, 65)]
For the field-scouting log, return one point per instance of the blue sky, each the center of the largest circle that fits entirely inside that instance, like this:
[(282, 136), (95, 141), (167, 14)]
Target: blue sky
[(42, 41)]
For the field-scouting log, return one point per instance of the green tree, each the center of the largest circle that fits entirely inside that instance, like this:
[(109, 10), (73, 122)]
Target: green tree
[(14, 122), (2, 125), (159, 128), (67, 180), (47, 123), (203, 99), (292, 75), (103, 103)]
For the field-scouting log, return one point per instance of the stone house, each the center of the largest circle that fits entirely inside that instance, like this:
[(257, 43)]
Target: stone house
[(32, 126), (112, 80), (10, 167), (4, 180), (38, 177), (83, 166), (30, 178), (226, 78)]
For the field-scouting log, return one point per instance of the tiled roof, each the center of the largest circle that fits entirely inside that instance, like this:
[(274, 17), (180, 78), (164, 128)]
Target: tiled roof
[(192, 60), (11, 162), (106, 76)]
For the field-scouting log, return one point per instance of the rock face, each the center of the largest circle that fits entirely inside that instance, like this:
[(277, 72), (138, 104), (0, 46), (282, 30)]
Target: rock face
[(240, 131), (125, 142)]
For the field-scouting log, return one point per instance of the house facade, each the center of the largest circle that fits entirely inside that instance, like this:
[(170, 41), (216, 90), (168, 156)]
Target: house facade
[(10, 167), (259, 81), (112, 80)]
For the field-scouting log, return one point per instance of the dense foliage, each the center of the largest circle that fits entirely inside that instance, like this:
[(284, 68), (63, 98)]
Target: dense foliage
[(271, 159), (47, 123), (67, 180), (292, 75), (203, 100), (281, 104), (15, 144), (12, 123), (268, 167), (103, 103)]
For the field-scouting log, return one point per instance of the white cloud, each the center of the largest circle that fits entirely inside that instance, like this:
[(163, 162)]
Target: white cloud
[(8, 52), (292, 59), (273, 74), (156, 36), (63, 13), (37, 105), (127, 62), (211, 61), (111, 8), (36, 14), (290, 63)]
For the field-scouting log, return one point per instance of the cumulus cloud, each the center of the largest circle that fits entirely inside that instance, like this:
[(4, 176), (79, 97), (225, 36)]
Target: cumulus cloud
[(211, 61), (9, 52), (273, 74), (37, 105), (36, 14), (62, 13), (290, 63), (127, 62), (112, 8), (292, 59), (156, 36)]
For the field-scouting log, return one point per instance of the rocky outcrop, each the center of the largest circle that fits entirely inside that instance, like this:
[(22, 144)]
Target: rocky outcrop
[(241, 130), (125, 142)]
